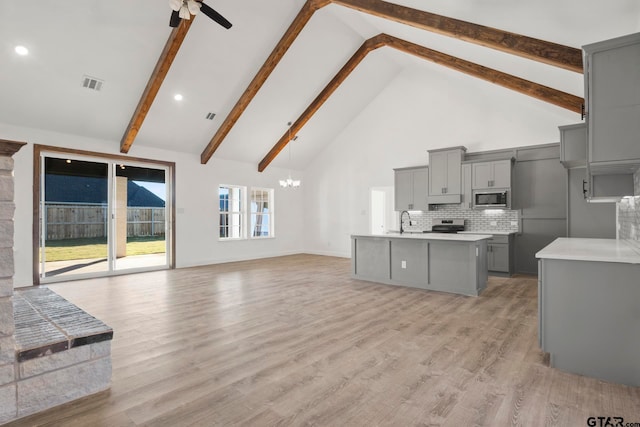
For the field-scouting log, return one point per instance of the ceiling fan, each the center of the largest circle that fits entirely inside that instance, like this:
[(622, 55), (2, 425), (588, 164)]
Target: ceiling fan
[(183, 9)]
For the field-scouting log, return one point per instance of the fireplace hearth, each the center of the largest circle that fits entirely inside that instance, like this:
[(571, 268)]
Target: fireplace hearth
[(51, 351)]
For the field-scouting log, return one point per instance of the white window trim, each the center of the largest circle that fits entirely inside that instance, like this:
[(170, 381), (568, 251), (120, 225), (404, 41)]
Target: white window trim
[(242, 212), (272, 231)]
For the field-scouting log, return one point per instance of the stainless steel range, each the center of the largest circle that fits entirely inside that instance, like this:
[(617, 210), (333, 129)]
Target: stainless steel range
[(439, 225)]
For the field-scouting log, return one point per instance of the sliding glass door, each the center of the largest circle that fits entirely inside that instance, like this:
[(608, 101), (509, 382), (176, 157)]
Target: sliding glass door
[(74, 217), (100, 216), (140, 217)]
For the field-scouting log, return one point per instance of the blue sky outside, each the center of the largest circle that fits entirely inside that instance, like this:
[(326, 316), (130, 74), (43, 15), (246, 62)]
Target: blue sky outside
[(157, 188)]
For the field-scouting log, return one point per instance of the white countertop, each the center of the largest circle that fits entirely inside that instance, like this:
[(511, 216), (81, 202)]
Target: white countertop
[(495, 233), (602, 250), (456, 237)]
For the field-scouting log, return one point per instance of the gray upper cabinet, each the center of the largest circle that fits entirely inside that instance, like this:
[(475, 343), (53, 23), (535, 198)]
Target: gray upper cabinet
[(410, 186), (612, 97), (445, 168), (573, 145), (604, 186), (420, 184), (496, 174), (466, 201)]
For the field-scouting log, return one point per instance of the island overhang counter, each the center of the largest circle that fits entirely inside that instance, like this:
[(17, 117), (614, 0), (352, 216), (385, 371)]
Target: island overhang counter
[(446, 262)]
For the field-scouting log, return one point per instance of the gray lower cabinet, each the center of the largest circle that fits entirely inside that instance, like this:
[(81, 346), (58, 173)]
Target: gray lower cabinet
[(498, 257), (588, 318), (500, 254), (450, 266)]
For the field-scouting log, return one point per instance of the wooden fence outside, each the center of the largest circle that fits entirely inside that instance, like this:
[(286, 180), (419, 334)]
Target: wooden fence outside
[(78, 221)]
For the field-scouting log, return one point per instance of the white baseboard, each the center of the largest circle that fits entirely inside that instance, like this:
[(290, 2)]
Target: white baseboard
[(233, 259), (329, 253), (258, 256)]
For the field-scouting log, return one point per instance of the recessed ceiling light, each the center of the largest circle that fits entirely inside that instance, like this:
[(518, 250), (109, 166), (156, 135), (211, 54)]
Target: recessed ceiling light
[(21, 50), (177, 97)]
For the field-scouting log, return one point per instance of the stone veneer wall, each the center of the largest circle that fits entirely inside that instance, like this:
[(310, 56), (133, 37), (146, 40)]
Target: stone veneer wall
[(475, 220), (8, 387), (36, 375), (628, 210)]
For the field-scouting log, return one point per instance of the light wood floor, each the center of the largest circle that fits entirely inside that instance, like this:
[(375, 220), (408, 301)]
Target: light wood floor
[(294, 341)]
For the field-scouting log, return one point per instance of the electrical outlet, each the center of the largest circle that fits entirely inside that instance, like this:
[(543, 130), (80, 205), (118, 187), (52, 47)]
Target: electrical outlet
[(493, 223), (403, 264)]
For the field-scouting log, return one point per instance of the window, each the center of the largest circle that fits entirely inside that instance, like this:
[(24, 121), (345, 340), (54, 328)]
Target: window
[(261, 202), (231, 212), (234, 212)]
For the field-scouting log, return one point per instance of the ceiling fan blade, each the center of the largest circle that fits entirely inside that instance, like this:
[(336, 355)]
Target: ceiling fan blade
[(215, 16), (175, 19)]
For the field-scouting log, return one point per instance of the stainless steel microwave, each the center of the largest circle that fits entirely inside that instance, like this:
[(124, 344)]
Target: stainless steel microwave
[(491, 199)]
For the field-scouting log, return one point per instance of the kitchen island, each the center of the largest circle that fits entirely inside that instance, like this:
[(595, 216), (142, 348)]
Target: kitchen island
[(589, 307), (446, 262)]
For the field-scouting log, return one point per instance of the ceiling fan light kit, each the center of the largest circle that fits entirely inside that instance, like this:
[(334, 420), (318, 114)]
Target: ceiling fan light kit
[(183, 9)]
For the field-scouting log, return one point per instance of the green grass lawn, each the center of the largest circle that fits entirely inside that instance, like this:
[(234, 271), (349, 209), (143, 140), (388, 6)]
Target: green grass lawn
[(71, 249)]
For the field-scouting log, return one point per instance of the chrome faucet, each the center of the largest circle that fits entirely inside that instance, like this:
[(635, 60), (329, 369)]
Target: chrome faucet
[(401, 215)]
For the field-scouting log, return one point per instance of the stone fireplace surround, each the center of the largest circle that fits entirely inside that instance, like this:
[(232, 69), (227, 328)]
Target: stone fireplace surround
[(51, 352)]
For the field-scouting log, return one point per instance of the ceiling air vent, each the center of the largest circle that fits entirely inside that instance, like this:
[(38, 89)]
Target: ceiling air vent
[(92, 83), (210, 116)]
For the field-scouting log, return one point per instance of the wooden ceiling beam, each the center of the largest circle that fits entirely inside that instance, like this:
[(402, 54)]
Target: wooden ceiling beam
[(369, 45), (526, 87), (298, 24), (167, 56), (550, 53)]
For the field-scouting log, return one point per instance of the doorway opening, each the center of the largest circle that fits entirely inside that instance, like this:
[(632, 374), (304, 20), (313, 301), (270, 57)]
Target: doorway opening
[(382, 217)]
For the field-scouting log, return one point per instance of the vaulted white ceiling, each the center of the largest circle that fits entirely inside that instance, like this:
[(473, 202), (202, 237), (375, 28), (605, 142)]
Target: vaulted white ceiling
[(119, 41)]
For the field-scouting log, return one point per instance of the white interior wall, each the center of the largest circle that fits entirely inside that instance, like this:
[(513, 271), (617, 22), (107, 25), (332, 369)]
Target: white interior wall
[(196, 202), (424, 107)]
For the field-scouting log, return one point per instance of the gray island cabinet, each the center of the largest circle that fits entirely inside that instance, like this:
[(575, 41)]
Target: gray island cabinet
[(454, 263), (589, 307)]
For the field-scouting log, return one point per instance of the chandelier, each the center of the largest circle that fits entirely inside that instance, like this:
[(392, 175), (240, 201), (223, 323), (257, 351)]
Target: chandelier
[(290, 182)]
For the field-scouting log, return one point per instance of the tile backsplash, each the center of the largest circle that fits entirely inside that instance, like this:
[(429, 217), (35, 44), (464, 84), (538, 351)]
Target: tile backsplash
[(628, 211), (475, 220)]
